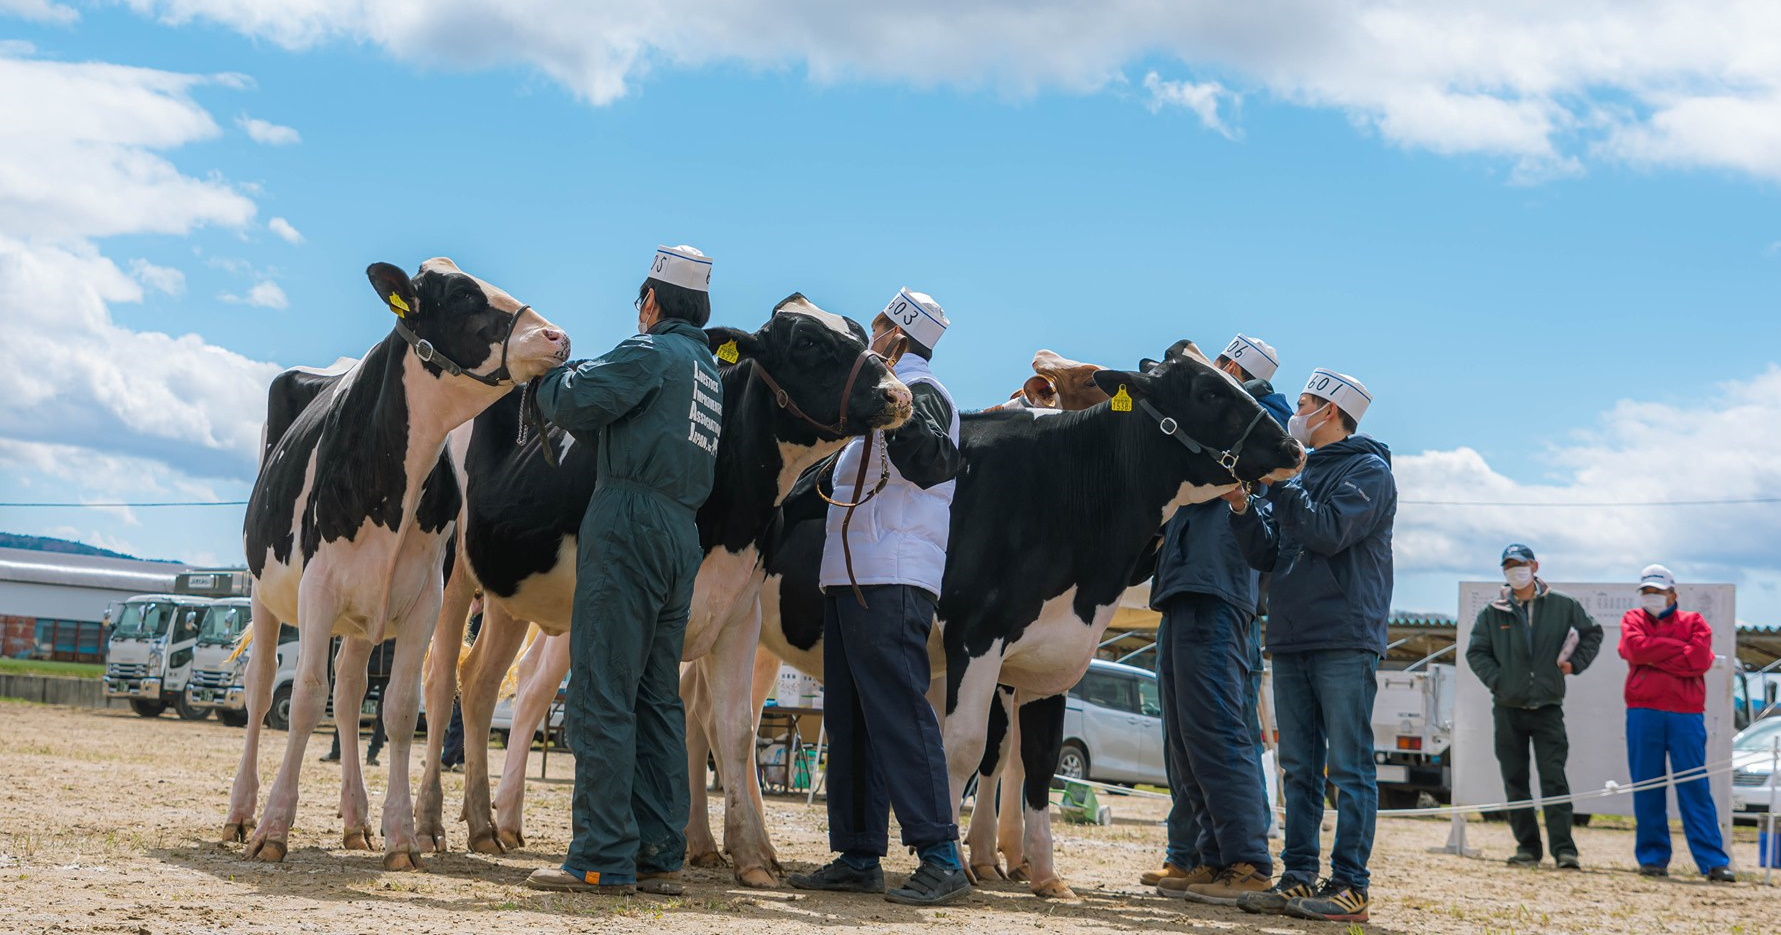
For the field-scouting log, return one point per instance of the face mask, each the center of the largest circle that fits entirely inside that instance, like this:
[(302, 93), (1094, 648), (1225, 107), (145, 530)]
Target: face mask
[(1519, 577), (1300, 428), (1654, 604)]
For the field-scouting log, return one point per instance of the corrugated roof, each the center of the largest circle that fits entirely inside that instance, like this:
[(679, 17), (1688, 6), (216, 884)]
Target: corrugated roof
[(87, 571)]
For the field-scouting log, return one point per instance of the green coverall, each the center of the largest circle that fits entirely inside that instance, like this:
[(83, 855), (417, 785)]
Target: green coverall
[(653, 405)]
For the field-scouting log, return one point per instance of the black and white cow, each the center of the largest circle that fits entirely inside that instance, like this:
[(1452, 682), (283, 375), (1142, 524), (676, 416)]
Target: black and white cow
[(1052, 518), (348, 521), (806, 382)]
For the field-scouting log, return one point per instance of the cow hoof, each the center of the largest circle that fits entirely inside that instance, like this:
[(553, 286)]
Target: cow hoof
[(511, 840), (756, 878), (402, 860), (1021, 873), (434, 841), (235, 832), (1053, 889), (985, 872), (707, 860), (485, 842), (358, 839), (265, 850)]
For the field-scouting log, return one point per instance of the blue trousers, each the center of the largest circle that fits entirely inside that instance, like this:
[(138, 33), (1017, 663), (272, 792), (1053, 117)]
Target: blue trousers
[(884, 740), (1325, 700), (1651, 736), (1208, 674)]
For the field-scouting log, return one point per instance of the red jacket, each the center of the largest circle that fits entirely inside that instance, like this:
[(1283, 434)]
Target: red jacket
[(1666, 660)]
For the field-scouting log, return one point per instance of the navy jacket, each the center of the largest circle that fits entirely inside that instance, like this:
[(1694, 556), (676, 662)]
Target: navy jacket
[(1327, 537), (1200, 556)]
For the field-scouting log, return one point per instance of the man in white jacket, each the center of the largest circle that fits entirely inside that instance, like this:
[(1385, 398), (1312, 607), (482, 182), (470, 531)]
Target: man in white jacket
[(881, 570)]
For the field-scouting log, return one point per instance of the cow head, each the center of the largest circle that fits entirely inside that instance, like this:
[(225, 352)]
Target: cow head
[(811, 354), (1210, 408), (455, 320)]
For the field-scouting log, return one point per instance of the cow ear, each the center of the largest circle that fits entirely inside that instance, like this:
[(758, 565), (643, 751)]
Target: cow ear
[(1146, 365), (1137, 385), (1040, 392), (1189, 350), (732, 344), (395, 289)]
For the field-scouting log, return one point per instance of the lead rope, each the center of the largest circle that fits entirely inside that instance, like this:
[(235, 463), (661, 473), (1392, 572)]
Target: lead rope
[(859, 481), (531, 419)]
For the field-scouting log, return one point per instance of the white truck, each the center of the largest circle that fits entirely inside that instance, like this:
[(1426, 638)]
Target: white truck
[(1413, 731), (213, 669), (148, 658)]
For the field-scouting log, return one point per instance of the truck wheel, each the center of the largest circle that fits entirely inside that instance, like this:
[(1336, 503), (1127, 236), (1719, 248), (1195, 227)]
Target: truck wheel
[(506, 739), (1394, 798), (231, 718), (187, 712), (146, 708), (278, 717), (1072, 761)]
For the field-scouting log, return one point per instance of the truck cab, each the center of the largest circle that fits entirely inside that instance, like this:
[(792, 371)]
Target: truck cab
[(213, 669), (1413, 731), (148, 658)]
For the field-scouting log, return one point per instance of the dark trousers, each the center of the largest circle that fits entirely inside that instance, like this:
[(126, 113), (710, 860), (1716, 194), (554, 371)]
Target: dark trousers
[(884, 740), (1219, 815), (1544, 730), (624, 720), (1325, 698), (453, 753)]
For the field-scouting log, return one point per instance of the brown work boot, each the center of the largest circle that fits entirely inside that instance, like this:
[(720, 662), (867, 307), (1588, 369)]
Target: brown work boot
[(662, 882), (1231, 884), (556, 879), (1177, 884), (1156, 877)]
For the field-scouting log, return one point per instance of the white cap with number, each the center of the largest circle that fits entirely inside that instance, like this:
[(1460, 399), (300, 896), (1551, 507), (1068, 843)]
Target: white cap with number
[(1346, 392), (918, 315), (682, 266), (1253, 355)]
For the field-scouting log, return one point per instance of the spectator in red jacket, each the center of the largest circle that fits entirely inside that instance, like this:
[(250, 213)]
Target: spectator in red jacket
[(1668, 652)]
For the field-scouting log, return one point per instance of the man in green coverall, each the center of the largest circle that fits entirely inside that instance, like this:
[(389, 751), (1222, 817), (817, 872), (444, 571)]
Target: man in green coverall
[(653, 406)]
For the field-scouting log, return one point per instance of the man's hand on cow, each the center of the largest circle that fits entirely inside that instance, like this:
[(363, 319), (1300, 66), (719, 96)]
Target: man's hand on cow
[(1238, 498)]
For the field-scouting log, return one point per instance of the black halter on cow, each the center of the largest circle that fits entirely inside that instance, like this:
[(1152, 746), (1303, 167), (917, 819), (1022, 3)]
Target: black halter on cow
[(1051, 519), (799, 387)]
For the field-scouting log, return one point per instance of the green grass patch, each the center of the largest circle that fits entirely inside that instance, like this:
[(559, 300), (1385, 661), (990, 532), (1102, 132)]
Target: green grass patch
[(85, 670)]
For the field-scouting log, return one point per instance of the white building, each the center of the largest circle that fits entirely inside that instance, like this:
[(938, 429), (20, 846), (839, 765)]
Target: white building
[(52, 603)]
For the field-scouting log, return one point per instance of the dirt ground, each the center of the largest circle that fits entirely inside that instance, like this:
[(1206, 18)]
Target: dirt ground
[(108, 823)]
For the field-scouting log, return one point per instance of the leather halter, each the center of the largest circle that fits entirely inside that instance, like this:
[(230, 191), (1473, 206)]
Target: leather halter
[(425, 350), (839, 427), (1227, 458)]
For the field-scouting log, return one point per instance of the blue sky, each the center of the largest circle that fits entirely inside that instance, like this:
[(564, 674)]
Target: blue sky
[(1589, 311)]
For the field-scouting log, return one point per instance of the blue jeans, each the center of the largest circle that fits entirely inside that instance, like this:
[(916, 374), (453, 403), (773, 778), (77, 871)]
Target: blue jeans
[(1651, 735), (1209, 678), (1325, 698)]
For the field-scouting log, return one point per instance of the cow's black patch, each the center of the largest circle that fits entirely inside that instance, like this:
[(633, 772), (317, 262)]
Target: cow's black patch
[(1041, 740), (996, 735)]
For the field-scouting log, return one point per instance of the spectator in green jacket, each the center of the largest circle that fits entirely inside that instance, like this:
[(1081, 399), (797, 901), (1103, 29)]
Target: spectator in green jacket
[(1522, 646)]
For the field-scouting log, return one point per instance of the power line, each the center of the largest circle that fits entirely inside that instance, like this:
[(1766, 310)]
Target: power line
[(132, 505), (1597, 503)]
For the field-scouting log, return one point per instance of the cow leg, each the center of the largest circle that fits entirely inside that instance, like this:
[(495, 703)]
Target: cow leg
[(349, 696), (981, 837), (1041, 740), (730, 674), (481, 677), (766, 676), (401, 712), (317, 608), (262, 667), (967, 716), (441, 682), (1011, 817), (541, 671), (695, 693)]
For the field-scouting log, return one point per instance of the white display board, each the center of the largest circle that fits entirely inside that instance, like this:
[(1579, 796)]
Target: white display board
[(1595, 707)]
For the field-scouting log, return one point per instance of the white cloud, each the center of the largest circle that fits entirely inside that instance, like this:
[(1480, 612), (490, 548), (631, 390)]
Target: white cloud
[(271, 134), (264, 294), (1692, 82), (283, 228), (1640, 452), (160, 278), (39, 11), (1201, 98)]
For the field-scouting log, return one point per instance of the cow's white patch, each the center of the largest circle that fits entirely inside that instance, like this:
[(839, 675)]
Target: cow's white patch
[(726, 586), (833, 321), (547, 598), (1189, 494), (1055, 648)]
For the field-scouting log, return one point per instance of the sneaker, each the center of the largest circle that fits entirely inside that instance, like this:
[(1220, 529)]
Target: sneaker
[(931, 885), (1334, 902), (1273, 900), (1176, 885), (558, 880), (837, 877), (1721, 875), (1524, 860), (1653, 870), (371, 761), (1232, 883), (1172, 872), (1568, 862)]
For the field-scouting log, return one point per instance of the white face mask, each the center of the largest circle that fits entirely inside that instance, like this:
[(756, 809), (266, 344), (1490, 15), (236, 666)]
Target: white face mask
[(1299, 427), (1519, 577), (1654, 604)]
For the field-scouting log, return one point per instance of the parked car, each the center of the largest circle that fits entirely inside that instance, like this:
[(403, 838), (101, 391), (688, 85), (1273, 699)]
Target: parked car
[(1751, 762), (1113, 727), (501, 722)]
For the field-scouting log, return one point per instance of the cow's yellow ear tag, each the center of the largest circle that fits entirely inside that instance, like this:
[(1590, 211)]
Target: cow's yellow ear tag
[(728, 353), (1122, 401), (398, 306)]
